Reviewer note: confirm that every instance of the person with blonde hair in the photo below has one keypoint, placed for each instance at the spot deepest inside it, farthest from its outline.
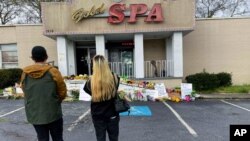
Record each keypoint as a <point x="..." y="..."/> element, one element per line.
<point x="102" y="87"/>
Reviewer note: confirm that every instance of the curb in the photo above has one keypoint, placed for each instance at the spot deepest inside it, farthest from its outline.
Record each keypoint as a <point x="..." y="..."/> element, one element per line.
<point x="3" y="97"/>
<point x="224" y="96"/>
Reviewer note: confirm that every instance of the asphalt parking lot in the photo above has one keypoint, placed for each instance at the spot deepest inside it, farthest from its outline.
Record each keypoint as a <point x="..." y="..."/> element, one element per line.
<point x="201" y="120"/>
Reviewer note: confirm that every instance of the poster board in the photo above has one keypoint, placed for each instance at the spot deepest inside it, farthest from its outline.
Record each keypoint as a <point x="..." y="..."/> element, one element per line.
<point x="128" y="89"/>
<point x="152" y="93"/>
<point x="160" y="87"/>
<point x="186" y="89"/>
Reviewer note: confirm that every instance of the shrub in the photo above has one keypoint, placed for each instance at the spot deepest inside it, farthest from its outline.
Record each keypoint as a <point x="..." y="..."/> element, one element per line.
<point x="9" y="77"/>
<point x="203" y="81"/>
<point x="4" y="77"/>
<point x="225" y="79"/>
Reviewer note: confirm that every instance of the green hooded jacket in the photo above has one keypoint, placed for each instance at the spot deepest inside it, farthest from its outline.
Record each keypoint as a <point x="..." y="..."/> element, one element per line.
<point x="44" y="90"/>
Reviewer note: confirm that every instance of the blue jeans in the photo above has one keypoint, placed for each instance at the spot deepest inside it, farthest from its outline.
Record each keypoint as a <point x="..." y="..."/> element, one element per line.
<point x="55" y="129"/>
<point x="111" y="126"/>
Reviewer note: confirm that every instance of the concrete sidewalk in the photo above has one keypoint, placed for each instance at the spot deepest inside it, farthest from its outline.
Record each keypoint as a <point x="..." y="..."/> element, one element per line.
<point x="224" y="96"/>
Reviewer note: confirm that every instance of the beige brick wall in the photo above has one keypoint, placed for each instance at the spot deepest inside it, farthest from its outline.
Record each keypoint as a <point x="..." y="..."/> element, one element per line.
<point x="219" y="45"/>
<point x="30" y="36"/>
<point x="154" y="49"/>
<point x="7" y="34"/>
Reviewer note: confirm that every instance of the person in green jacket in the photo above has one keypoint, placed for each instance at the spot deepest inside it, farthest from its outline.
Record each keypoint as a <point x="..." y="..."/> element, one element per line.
<point x="44" y="90"/>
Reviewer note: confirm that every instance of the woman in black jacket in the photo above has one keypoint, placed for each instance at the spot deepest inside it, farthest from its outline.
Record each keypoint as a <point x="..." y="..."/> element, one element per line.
<point x="102" y="87"/>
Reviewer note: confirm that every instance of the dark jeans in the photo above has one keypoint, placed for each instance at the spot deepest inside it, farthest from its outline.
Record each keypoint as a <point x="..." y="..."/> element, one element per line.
<point x="55" y="129"/>
<point x="107" y="125"/>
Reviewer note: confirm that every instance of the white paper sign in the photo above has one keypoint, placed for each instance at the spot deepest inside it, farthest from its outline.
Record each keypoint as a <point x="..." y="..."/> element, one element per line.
<point x="152" y="93"/>
<point x="19" y="90"/>
<point x="128" y="89"/>
<point x="83" y="95"/>
<point x="186" y="89"/>
<point x="160" y="87"/>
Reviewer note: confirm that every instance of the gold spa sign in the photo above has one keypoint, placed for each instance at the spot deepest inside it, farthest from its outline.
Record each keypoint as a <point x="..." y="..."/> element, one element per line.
<point x="117" y="13"/>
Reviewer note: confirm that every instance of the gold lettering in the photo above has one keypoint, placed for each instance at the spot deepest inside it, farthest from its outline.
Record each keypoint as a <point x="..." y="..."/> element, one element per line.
<point x="85" y="15"/>
<point x="100" y="10"/>
<point x="92" y="11"/>
<point x="77" y="15"/>
<point x="80" y="14"/>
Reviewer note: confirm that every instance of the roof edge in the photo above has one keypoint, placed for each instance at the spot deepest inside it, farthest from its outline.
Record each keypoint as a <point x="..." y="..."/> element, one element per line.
<point x="14" y="25"/>
<point x="222" y="18"/>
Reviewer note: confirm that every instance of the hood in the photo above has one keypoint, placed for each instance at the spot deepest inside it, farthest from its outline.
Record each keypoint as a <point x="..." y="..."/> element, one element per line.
<point x="37" y="70"/>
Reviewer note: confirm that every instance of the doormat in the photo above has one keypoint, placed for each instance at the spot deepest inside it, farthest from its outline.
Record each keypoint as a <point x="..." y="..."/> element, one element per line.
<point x="138" y="111"/>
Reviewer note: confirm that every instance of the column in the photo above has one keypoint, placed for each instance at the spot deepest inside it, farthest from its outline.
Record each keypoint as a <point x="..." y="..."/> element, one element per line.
<point x="169" y="56"/>
<point x="138" y="56"/>
<point x="100" y="44"/>
<point x="62" y="55"/>
<point x="71" y="57"/>
<point x="177" y="49"/>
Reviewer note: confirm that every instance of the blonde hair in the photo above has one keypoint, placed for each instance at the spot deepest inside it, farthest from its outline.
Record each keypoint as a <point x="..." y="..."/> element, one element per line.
<point x="102" y="81"/>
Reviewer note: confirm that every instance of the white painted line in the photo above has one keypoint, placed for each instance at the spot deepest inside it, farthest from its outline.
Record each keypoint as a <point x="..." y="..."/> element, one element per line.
<point x="189" y="128"/>
<point x="72" y="126"/>
<point x="11" y="112"/>
<point x="235" y="105"/>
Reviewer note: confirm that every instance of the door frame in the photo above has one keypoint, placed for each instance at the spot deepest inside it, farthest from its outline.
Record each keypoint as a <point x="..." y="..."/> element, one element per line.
<point x="88" y="57"/>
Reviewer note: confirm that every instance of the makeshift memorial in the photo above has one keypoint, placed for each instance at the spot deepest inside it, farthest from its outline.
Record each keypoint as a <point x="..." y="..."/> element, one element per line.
<point x="14" y="92"/>
<point x="77" y="77"/>
<point x="135" y="90"/>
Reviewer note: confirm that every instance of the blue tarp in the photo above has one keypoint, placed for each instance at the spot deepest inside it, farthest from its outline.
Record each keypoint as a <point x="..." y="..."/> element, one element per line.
<point x="138" y="111"/>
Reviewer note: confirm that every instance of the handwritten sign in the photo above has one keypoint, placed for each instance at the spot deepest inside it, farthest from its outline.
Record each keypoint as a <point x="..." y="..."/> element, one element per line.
<point x="186" y="89"/>
<point x="126" y="88"/>
<point x="160" y="87"/>
<point x="152" y="93"/>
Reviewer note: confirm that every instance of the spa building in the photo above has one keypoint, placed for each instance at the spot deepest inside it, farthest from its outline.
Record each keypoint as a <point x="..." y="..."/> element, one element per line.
<point x="156" y="40"/>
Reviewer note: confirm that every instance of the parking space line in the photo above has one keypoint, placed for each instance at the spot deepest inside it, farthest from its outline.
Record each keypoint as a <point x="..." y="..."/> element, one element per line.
<point x="72" y="126"/>
<point x="189" y="128"/>
<point x="11" y="112"/>
<point x="235" y="105"/>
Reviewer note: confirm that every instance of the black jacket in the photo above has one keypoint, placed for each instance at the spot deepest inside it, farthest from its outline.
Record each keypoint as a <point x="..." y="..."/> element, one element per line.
<point x="103" y="109"/>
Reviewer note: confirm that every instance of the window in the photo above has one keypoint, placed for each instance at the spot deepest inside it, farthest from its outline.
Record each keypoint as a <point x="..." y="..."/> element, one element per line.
<point x="8" y="56"/>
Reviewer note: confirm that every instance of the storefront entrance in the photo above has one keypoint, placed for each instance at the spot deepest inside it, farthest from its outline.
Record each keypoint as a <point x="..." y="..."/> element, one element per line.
<point x="120" y="57"/>
<point x="83" y="59"/>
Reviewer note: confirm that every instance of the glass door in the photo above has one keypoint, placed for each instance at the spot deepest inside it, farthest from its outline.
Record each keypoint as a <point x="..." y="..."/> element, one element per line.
<point x="83" y="60"/>
<point x="92" y="53"/>
<point x="127" y="61"/>
<point x="121" y="61"/>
